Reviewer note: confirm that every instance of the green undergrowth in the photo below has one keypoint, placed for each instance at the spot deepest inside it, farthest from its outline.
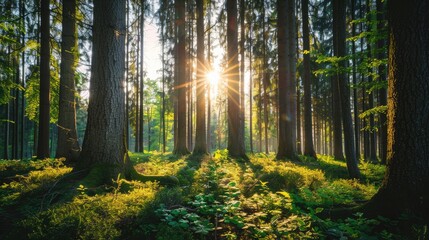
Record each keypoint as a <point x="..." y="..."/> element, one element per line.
<point x="217" y="198"/>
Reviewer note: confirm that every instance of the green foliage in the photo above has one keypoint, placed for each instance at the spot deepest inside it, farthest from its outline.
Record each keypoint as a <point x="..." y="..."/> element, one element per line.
<point x="218" y="197"/>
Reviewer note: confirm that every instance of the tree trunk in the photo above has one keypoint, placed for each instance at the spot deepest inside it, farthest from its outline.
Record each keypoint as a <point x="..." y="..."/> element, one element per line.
<point x="104" y="143"/>
<point x="235" y="141"/>
<point x="286" y="144"/>
<point x="344" y="92"/>
<point x="407" y="176"/>
<point x="242" y="68"/>
<point x="200" y="132"/>
<point x="355" y="92"/>
<point x="250" y="92"/>
<point x="291" y="35"/>
<point x="44" y="104"/>
<point x="382" y="93"/>
<point x="68" y="145"/>
<point x="180" y="88"/>
<point x="265" y="78"/>
<point x="308" y="123"/>
<point x="141" y="87"/>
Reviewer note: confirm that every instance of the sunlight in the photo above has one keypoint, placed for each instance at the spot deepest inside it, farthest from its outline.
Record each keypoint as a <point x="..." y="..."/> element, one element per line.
<point x="213" y="78"/>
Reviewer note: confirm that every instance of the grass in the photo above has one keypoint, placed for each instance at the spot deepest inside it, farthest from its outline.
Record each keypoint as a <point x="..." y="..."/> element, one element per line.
<point x="217" y="198"/>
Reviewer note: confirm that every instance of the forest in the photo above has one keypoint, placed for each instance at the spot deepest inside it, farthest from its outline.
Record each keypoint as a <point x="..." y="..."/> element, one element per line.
<point x="214" y="119"/>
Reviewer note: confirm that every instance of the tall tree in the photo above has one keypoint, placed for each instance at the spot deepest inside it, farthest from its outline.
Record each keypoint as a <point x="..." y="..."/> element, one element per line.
<point x="407" y="176"/>
<point x="308" y="123"/>
<point x="382" y="94"/>
<point x="339" y="30"/>
<point x="44" y="105"/>
<point x="141" y="80"/>
<point x="68" y="145"/>
<point x="180" y="147"/>
<point x="104" y="143"/>
<point x="286" y="145"/>
<point x="235" y="140"/>
<point x="200" y="132"/>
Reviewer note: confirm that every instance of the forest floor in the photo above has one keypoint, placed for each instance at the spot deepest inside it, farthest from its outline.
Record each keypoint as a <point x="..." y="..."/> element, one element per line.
<point x="217" y="198"/>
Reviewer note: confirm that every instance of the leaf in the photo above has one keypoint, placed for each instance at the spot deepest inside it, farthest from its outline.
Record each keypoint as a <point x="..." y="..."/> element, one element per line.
<point x="284" y="194"/>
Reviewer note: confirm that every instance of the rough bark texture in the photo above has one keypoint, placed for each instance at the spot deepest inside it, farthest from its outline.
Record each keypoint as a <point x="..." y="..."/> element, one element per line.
<point x="200" y="132"/>
<point x="235" y="140"/>
<point x="407" y="176"/>
<point x="308" y="123"/>
<point x="68" y="145"/>
<point x="344" y="92"/>
<point x="44" y="104"/>
<point x="104" y="142"/>
<point x="286" y="144"/>
<point x="180" y="88"/>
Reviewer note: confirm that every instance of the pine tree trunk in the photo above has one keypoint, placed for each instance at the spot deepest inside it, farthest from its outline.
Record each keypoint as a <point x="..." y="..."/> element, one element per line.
<point x="407" y="177"/>
<point x="355" y="92"/>
<point x="308" y="123"/>
<point x="68" y="145"/>
<point x="286" y="144"/>
<point x="104" y="147"/>
<point x="382" y="93"/>
<point x="200" y="132"/>
<point x="141" y="87"/>
<point x="44" y="105"/>
<point x="344" y="92"/>
<point x="235" y="141"/>
<point x="180" y="88"/>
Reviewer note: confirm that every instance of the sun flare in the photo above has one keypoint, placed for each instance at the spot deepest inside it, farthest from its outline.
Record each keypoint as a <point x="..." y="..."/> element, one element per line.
<point x="213" y="78"/>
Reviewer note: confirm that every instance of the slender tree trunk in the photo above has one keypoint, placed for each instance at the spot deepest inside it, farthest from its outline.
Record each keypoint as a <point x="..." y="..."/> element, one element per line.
<point x="292" y="66"/>
<point x="180" y="88"/>
<point x="308" y="123"/>
<point x="344" y="92"/>
<point x="209" y="104"/>
<point x="372" y="136"/>
<point x="44" y="105"/>
<point x="242" y="67"/>
<point x="265" y="78"/>
<point x="127" y="74"/>
<point x="235" y="141"/>
<point x="200" y="133"/>
<point x="407" y="176"/>
<point x="137" y="94"/>
<point x="286" y="144"/>
<point x="250" y="91"/>
<point x="382" y="93"/>
<point x="141" y="97"/>
<point x="163" y="89"/>
<point x="68" y="145"/>
<point x="355" y="92"/>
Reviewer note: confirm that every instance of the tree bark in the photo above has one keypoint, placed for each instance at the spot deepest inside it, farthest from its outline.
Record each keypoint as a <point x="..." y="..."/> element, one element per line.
<point x="180" y="88"/>
<point x="407" y="176"/>
<point x="308" y="123"/>
<point x="235" y="141"/>
<point x="286" y="144"/>
<point x="104" y="143"/>
<point x="68" y="145"/>
<point x="200" y="132"/>
<point x="44" y="104"/>
<point x="342" y="82"/>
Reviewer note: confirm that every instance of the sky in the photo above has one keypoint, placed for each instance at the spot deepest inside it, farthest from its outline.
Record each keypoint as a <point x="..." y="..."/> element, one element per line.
<point x="152" y="51"/>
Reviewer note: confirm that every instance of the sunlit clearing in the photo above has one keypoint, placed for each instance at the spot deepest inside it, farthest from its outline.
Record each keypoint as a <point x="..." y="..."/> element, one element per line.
<point x="213" y="78"/>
